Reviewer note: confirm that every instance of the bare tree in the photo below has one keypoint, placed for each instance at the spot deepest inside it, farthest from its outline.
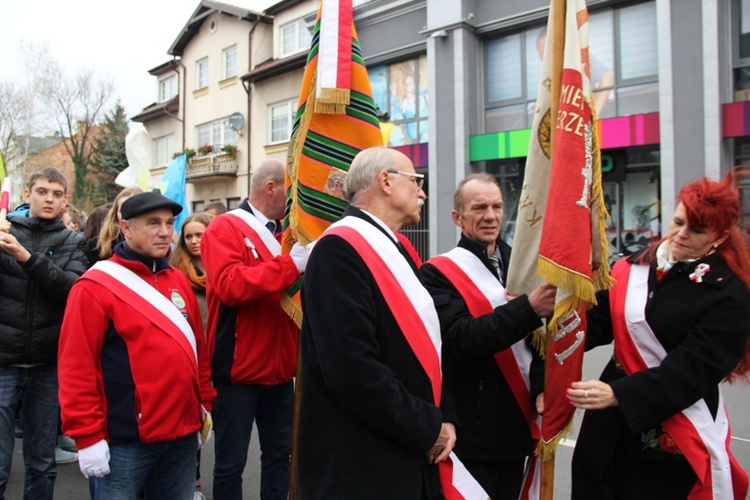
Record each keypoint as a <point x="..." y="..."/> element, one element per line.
<point x="80" y="103"/>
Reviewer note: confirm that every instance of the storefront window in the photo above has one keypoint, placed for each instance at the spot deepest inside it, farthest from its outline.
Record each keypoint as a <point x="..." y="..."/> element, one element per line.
<point x="400" y="92"/>
<point x="741" y="45"/>
<point x="624" y="67"/>
<point x="742" y="158"/>
<point x="632" y="192"/>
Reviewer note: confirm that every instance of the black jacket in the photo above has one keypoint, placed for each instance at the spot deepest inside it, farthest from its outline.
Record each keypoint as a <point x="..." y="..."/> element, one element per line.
<point x="33" y="294"/>
<point x="493" y="428"/>
<point x="367" y="412"/>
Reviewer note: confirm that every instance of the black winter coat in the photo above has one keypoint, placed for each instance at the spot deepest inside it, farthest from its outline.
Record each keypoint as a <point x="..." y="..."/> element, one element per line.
<point x="33" y="294"/>
<point x="493" y="427"/>
<point x="367" y="413"/>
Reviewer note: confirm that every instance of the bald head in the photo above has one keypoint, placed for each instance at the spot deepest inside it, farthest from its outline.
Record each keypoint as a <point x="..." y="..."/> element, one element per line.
<point x="271" y="169"/>
<point x="267" y="188"/>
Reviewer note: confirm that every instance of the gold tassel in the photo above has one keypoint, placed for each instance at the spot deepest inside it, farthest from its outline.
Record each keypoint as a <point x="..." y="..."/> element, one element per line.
<point x="577" y="284"/>
<point x="289" y="307"/>
<point x="332" y="101"/>
<point x="602" y="278"/>
<point x="547" y="448"/>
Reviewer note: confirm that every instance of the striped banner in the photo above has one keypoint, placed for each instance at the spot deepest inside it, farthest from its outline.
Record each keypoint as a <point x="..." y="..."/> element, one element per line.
<point x="326" y="134"/>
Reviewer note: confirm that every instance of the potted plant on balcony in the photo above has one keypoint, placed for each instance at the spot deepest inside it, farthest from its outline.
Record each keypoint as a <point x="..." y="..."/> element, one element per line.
<point x="188" y="152"/>
<point x="206" y="149"/>
<point x="230" y="150"/>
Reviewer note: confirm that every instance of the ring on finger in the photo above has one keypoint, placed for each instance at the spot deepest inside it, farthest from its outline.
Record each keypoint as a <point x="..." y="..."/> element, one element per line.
<point x="585" y="394"/>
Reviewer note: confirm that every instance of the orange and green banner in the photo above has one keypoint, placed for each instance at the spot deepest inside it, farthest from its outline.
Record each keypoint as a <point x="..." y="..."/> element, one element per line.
<point x="331" y="126"/>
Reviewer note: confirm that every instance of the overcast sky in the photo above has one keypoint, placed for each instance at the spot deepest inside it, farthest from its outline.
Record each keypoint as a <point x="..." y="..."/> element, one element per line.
<point x="121" y="40"/>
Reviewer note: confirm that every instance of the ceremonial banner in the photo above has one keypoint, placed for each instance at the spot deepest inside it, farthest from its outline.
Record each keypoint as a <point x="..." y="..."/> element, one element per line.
<point x="563" y="171"/>
<point x="172" y="186"/>
<point x="335" y="119"/>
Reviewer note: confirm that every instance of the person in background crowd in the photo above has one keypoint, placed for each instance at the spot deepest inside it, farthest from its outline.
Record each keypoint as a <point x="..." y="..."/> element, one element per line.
<point x="72" y="217"/>
<point x="187" y="258"/>
<point x="134" y="375"/>
<point x="110" y="234"/>
<point x="215" y="208"/>
<point x="92" y="228"/>
<point x="40" y="259"/>
<point x="372" y="424"/>
<point x="254" y="342"/>
<point x="655" y="425"/>
<point x="493" y="373"/>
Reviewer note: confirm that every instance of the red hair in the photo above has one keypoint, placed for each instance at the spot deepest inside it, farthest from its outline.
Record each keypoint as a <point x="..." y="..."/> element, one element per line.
<point x="715" y="206"/>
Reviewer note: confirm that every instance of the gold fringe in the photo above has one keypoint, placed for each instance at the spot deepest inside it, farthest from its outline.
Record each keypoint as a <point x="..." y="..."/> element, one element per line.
<point x="602" y="278"/>
<point x="575" y="283"/>
<point x="539" y="341"/>
<point x="547" y="448"/>
<point x="289" y="307"/>
<point x="332" y="101"/>
<point x="294" y="153"/>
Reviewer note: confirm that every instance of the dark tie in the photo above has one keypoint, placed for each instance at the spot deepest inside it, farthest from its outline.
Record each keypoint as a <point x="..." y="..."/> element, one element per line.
<point x="271" y="225"/>
<point x="496" y="265"/>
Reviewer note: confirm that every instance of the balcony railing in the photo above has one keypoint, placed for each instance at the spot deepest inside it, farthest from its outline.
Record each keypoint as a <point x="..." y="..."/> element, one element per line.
<point x="213" y="164"/>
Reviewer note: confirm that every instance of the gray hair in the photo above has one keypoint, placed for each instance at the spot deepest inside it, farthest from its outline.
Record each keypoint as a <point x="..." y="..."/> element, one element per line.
<point x="365" y="169"/>
<point x="271" y="169"/>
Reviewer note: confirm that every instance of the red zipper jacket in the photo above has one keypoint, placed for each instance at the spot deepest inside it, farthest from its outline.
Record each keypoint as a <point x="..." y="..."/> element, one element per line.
<point x="122" y="378"/>
<point x="251" y="339"/>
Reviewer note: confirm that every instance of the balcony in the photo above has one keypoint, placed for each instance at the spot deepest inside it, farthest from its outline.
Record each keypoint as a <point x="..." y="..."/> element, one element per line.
<point x="211" y="165"/>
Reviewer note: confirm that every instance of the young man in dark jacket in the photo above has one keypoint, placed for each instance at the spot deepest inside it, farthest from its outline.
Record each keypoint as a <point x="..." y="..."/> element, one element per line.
<point x="40" y="259"/>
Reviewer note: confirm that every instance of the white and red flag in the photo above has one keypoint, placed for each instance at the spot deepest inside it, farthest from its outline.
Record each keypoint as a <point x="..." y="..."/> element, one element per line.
<point x="562" y="245"/>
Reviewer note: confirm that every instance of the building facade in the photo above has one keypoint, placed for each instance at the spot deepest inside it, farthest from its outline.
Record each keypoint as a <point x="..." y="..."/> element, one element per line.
<point x="455" y="82"/>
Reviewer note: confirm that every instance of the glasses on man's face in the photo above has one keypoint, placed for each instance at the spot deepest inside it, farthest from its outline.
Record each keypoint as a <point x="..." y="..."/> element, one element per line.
<point x="418" y="178"/>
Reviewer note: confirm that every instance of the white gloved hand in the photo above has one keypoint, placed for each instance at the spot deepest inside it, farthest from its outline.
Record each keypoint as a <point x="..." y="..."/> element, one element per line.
<point x="299" y="254"/>
<point x="94" y="460"/>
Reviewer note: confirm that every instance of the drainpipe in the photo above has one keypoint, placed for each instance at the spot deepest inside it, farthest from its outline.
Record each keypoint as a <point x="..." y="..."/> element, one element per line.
<point x="249" y="91"/>
<point x="184" y="97"/>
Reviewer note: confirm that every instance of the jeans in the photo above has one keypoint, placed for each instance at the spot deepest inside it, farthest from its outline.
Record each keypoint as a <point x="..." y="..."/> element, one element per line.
<point x="235" y="409"/>
<point x="37" y="388"/>
<point x="163" y="470"/>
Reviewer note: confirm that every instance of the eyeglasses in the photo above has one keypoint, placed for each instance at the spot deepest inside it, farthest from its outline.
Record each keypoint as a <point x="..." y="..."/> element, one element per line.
<point x="418" y="178"/>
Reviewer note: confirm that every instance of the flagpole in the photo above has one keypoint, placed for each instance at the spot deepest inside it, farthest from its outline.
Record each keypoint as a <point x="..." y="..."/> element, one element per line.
<point x="556" y="46"/>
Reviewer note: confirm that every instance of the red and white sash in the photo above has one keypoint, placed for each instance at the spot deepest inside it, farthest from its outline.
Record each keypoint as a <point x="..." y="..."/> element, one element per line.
<point x="260" y="240"/>
<point x="703" y="441"/>
<point x="147" y="300"/>
<point x="414" y="311"/>
<point x="483" y="293"/>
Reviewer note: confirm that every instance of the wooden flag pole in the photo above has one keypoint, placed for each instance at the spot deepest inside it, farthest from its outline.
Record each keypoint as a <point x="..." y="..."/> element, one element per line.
<point x="556" y="45"/>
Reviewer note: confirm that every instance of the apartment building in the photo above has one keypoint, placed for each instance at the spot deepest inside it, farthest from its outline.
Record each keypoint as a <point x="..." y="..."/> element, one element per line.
<point x="455" y="82"/>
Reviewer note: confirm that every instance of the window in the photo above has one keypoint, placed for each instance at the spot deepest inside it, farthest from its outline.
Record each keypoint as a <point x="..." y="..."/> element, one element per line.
<point x="741" y="45"/>
<point x="198" y="206"/>
<point x="229" y="62"/>
<point x="233" y="203"/>
<point x="281" y="119"/>
<point x="295" y="37"/>
<point x="624" y="67"/>
<point x="163" y="150"/>
<point x="167" y="88"/>
<point x="216" y="134"/>
<point x="400" y="94"/>
<point x="201" y="74"/>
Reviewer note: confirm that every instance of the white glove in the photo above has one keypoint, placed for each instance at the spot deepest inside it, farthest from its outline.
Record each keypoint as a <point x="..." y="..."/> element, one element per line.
<point x="299" y="254"/>
<point x="94" y="460"/>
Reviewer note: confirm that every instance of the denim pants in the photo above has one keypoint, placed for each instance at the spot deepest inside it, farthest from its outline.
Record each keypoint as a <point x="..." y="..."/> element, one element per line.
<point x="235" y="409"/>
<point x="164" y="470"/>
<point x="37" y="388"/>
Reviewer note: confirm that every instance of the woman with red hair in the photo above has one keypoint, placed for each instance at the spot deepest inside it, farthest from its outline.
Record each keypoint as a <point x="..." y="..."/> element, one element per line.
<point x="679" y="317"/>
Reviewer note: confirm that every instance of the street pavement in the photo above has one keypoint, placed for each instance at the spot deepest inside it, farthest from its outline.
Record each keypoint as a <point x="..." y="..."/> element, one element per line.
<point x="72" y="486"/>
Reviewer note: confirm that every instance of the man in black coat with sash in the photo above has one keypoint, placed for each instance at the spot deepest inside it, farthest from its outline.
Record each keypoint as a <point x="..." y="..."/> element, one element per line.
<point x="370" y="427"/>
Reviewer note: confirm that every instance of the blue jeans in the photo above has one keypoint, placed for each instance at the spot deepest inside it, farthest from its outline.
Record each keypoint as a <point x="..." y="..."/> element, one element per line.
<point x="164" y="470"/>
<point x="235" y="409"/>
<point x="37" y="388"/>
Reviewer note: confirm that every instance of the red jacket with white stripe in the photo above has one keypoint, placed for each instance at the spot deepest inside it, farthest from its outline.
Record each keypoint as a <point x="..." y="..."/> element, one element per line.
<point x="251" y="339"/>
<point x="122" y="378"/>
